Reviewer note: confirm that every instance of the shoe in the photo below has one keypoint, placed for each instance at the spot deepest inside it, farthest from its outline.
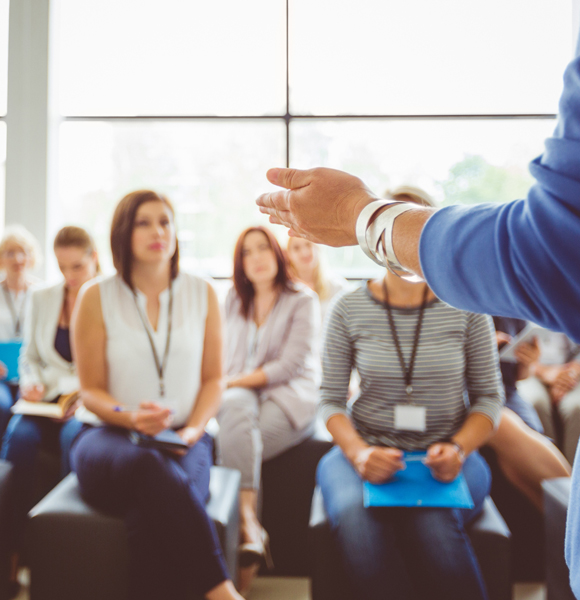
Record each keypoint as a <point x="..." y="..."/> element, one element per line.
<point x="251" y="553"/>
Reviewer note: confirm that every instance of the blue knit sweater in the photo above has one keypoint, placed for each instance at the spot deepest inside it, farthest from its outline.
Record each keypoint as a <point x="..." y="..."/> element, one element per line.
<point x="520" y="259"/>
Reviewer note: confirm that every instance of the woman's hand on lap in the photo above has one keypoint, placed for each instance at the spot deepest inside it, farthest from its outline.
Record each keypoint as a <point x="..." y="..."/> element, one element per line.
<point x="376" y="464"/>
<point x="445" y="461"/>
<point x="33" y="393"/>
<point x="152" y="418"/>
<point x="190" y="435"/>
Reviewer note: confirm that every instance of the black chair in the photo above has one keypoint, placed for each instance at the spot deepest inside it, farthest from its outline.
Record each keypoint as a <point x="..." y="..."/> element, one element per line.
<point x="6" y="499"/>
<point x="288" y="483"/>
<point x="556" y="497"/>
<point x="488" y="533"/>
<point x="76" y="552"/>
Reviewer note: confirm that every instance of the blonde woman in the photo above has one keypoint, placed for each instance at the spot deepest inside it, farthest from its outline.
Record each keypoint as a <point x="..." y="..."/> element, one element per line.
<point x="46" y="371"/>
<point x="306" y="264"/>
<point x="19" y="254"/>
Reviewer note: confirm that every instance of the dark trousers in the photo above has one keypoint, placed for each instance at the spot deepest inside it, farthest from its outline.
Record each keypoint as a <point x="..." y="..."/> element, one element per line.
<point x="24" y="437"/>
<point x="174" y="549"/>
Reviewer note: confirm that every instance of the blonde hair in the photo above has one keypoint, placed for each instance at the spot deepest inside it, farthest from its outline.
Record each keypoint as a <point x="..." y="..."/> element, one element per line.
<point x="75" y="237"/>
<point x="414" y="193"/>
<point x="321" y="281"/>
<point x="18" y="234"/>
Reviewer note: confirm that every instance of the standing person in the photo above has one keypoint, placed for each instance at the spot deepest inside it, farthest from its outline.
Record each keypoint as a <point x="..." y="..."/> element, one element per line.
<point x="518" y="259"/>
<point x="148" y="346"/>
<point x="305" y="263"/>
<point x="47" y="370"/>
<point x="19" y="254"/>
<point x="272" y="373"/>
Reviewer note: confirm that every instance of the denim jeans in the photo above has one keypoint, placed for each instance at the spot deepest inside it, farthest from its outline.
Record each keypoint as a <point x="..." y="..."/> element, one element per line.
<point x="403" y="553"/>
<point x="23" y="439"/>
<point x="6" y="403"/>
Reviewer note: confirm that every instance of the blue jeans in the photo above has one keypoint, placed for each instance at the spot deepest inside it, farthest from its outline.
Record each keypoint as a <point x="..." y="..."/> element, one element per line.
<point x="403" y="553"/>
<point x="174" y="551"/>
<point x="24" y="437"/>
<point x="6" y="403"/>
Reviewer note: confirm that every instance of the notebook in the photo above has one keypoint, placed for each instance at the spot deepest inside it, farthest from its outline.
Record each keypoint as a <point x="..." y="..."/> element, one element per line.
<point x="415" y="486"/>
<point x="9" y="353"/>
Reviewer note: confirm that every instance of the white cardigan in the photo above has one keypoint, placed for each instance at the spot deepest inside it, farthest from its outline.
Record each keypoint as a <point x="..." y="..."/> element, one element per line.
<point x="39" y="361"/>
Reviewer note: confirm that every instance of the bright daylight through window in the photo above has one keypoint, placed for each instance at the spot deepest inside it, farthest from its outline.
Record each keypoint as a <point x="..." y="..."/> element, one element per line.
<point x="199" y="99"/>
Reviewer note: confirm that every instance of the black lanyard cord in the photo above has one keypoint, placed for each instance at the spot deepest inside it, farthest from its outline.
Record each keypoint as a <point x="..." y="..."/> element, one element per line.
<point x="16" y="317"/>
<point x="160" y="365"/>
<point x="407" y="372"/>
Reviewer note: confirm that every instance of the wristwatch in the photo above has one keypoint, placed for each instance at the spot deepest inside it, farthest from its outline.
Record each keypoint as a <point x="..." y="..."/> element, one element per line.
<point x="459" y="448"/>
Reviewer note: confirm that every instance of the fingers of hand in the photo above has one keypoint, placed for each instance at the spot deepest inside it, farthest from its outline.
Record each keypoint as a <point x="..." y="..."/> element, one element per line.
<point x="288" y="178"/>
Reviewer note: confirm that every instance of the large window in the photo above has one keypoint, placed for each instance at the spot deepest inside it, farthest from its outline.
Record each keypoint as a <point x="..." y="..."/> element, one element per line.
<point x="3" y="100"/>
<point x="198" y="99"/>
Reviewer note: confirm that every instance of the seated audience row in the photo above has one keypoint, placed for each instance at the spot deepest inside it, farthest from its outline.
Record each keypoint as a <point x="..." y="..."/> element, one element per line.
<point x="147" y="343"/>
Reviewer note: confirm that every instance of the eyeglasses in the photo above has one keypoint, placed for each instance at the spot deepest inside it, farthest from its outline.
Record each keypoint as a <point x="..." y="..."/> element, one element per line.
<point x="16" y="254"/>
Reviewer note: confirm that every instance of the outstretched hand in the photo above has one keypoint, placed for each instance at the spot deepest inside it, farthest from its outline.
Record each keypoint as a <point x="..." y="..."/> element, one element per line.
<point x="321" y="205"/>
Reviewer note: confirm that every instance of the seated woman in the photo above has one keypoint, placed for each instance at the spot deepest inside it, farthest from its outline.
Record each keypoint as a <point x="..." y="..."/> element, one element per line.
<point x="526" y="354"/>
<point x="148" y="348"/>
<point x="411" y="351"/>
<point x="306" y="265"/>
<point x="19" y="254"/>
<point x="407" y="345"/>
<point x="553" y="389"/>
<point x="272" y="375"/>
<point x="47" y="370"/>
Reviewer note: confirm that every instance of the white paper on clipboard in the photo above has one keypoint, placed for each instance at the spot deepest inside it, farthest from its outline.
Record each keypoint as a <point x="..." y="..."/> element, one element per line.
<point x="527" y="334"/>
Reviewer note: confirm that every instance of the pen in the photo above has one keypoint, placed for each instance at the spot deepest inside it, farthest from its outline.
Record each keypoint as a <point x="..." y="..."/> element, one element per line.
<point x="120" y="409"/>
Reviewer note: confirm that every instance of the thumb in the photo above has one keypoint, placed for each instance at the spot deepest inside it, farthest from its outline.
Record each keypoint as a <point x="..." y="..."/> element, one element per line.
<point x="434" y="451"/>
<point x="290" y="179"/>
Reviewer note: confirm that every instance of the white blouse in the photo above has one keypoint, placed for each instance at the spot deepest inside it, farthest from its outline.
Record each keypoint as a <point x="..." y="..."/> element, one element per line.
<point x="132" y="374"/>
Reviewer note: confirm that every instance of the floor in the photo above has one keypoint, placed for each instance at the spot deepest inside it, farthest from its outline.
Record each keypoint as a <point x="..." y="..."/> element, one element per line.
<point x="297" y="588"/>
<point x="282" y="588"/>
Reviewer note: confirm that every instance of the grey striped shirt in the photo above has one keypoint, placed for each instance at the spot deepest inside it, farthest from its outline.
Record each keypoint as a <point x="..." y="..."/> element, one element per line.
<point x="456" y="368"/>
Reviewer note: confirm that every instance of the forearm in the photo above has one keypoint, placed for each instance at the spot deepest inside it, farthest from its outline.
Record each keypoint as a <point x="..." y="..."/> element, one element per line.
<point x="406" y="236"/>
<point x="255" y="379"/>
<point x="102" y="404"/>
<point x="345" y="435"/>
<point x="475" y="432"/>
<point x="207" y="404"/>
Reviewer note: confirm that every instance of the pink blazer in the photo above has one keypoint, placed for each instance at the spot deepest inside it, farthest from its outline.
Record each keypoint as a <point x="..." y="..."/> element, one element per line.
<point x="287" y="351"/>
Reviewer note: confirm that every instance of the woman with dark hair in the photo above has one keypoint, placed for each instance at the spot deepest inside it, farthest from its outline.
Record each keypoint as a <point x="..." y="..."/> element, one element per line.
<point x="47" y="370"/>
<point x="148" y="347"/>
<point x="272" y="375"/>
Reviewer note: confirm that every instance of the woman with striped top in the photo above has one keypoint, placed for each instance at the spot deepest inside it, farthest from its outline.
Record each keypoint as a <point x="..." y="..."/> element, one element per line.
<point x="411" y="349"/>
<point x="412" y="352"/>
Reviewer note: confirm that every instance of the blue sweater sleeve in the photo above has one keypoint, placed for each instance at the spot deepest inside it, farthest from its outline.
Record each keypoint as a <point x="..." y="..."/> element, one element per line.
<point x="520" y="259"/>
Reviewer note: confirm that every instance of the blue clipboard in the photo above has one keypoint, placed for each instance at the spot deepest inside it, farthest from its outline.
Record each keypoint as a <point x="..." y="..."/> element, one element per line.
<point x="415" y="486"/>
<point x="9" y="354"/>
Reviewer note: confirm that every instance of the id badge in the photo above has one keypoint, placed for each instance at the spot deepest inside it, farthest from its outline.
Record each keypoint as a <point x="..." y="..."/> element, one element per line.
<point x="410" y="418"/>
<point x="68" y="385"/>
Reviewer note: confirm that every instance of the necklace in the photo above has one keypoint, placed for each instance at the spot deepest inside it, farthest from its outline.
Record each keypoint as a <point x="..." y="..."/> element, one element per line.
<point x="407" y="370"/>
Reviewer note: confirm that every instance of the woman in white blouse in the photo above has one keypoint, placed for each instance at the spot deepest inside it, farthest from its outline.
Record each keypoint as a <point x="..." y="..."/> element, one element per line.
<point x="19" y="254"/>
<point x="148" y="347"/>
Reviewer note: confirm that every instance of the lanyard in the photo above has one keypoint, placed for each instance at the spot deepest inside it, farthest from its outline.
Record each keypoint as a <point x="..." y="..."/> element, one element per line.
<point x="160" y="365"/>
<point x="16" y="317"/>
<point x="407" y="371"/>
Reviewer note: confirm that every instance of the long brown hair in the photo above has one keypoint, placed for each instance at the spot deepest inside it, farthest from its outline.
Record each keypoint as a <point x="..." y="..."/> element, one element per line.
<point x="122" y="232"/>
<point x="242" y="285"/>
<point x="76" y="237"/>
